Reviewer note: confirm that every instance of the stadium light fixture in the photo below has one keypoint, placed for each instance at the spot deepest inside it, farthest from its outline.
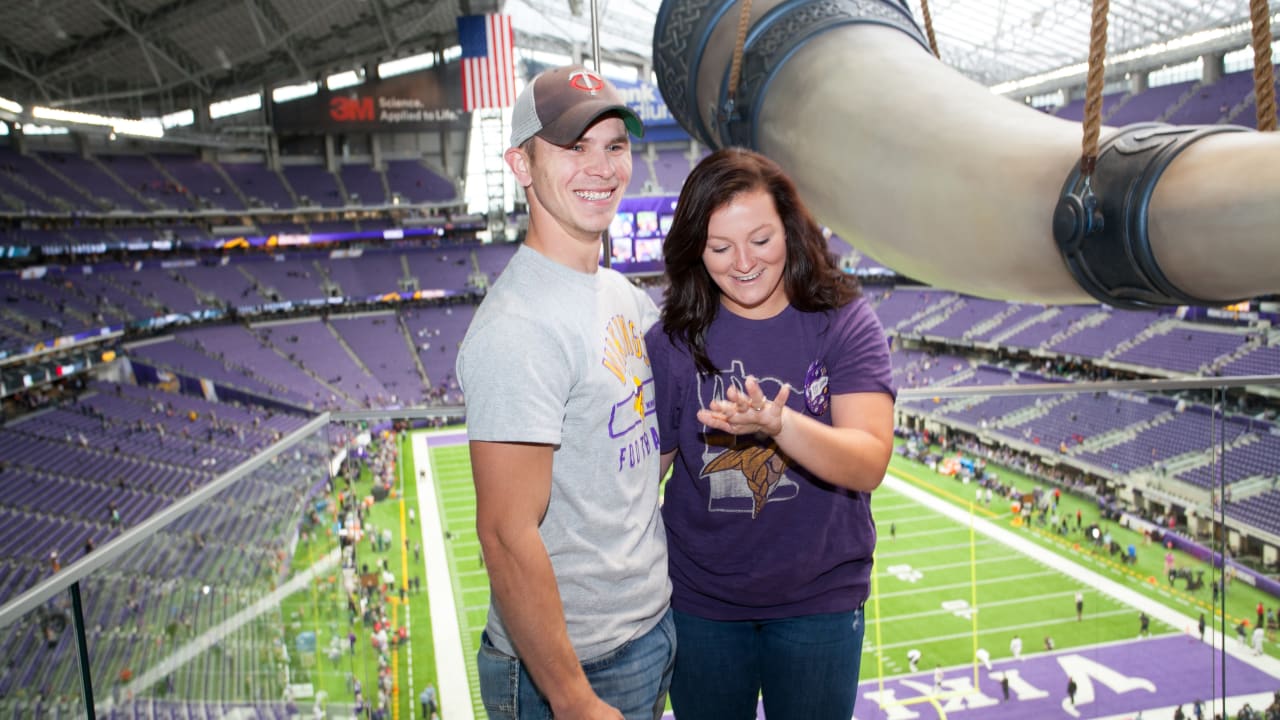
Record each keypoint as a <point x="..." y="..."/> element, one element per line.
<point x="285" y="93"/>
<point x="148" y="127"/>
<point x="33" y="129"/>
<point x="400" y="66"/>
<point x="181" y="118"/>
<point x="235" y="106"/>
<point x="10" y="106"/>
<point x="347" y="78"/>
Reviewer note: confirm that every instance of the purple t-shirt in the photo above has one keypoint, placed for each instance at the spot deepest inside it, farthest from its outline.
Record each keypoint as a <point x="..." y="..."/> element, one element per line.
<point x="750" y="537"/>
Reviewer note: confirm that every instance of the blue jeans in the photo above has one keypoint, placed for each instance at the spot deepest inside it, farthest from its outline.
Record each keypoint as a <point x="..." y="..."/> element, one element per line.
<point x="807" y="667"/>
<point x="633" y="678"/>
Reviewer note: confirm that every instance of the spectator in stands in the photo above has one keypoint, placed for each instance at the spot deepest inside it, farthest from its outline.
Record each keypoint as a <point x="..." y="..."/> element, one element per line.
<point x="757" y="306"/>
<point x="556" y="379"/>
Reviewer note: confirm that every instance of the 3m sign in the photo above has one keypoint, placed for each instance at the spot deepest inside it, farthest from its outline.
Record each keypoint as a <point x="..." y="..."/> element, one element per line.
<point x="348" y="109"/>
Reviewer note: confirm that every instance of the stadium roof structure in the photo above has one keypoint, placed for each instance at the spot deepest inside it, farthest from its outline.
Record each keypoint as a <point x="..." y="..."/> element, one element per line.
<point x="136" y="57"/>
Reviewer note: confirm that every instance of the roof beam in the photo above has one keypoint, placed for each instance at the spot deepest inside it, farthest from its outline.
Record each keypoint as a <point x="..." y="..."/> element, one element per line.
<point x="276" y="24"/>
<point x="388" y="34"/>
<point x="257" y="26"/>
<point x="86" y="54"/>
<point x="18" y="62"/>
<point x="409" y="28"/>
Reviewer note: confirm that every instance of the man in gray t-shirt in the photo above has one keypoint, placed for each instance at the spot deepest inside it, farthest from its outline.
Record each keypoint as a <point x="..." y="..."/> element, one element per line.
<point x="563" y="436"/>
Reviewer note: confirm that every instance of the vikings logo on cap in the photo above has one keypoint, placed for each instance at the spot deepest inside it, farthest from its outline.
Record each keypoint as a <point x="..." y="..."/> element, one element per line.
<point x="586" y="81"/>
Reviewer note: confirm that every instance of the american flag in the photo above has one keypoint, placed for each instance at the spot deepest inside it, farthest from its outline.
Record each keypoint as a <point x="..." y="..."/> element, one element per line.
<point x="488" y="61"/>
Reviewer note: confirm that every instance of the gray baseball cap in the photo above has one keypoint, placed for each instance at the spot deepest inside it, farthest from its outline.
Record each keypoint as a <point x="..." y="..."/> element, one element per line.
<point x="560" y="104"/>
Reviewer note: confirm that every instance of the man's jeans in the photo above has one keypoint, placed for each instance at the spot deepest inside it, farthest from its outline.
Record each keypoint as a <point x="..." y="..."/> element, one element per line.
<point x="807" y="667"/>
<point x="633" y="678"/>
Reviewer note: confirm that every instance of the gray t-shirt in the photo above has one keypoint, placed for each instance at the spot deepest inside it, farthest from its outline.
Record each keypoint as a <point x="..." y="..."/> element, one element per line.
<point x="558" y="357"/>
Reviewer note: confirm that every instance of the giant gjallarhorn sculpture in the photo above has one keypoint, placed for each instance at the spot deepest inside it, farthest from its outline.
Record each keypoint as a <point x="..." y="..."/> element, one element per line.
<point x="936" y="177"/>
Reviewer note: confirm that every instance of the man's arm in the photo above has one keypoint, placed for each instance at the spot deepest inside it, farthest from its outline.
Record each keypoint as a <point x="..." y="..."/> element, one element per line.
<point x="513" y="487"/>
<point x="667" y="459"/>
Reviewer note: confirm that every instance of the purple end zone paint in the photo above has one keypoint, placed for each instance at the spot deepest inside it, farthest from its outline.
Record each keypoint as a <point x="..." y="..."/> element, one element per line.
<point x="1111" y="680"/>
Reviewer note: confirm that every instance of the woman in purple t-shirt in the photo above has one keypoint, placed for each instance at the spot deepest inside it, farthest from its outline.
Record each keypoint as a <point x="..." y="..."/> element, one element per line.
<point x="775" y="407"/>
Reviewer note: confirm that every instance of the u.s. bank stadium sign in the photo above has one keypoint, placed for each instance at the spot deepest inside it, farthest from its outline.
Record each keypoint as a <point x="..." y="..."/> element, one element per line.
<point x="646" y="101"/>
<point x="421" y="101"/>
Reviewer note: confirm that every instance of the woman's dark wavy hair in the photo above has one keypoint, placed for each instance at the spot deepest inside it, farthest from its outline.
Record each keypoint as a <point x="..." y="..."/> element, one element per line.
<point x="812" y="277"/>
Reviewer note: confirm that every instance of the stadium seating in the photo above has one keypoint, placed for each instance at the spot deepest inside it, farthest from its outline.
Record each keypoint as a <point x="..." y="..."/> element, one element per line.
<point x="364" y="184"/>
<point x="1148" y="105"/>
<point x="417" y="183"/>
<point x="670" y="168"/>
<point x="1183" y="349"/>
<point x="262" y="186"/>
<point x="384" y="347"/>
<point x="314" y="186"/>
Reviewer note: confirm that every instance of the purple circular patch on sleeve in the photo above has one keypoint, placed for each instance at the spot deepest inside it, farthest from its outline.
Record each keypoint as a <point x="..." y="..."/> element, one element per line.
<point x="817" y="397"/>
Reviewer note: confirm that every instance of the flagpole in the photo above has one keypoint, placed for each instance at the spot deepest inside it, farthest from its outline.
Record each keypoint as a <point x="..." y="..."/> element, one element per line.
<point x="595" y="38"/>
<point x="606" y="241"/>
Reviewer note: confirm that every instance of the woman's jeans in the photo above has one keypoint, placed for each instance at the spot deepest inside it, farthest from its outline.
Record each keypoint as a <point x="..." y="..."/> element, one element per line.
<point x="807" y="667"/>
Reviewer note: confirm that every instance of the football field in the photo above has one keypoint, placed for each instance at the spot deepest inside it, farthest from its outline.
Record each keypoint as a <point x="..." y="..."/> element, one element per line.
<point x="952" y="578"/>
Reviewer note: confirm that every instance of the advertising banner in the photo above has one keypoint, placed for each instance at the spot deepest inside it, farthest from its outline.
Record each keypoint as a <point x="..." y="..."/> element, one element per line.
<point x="425" y="100"/>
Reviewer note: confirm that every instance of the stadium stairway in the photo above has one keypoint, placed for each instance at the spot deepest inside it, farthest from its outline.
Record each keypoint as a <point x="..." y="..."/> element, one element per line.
<point x="1159" y="327"/>
<point x="333" y="389"/>
<point x="110" y="173"/>
<point x="235" y="187"/>
<point x="1118" y="100"/>
<point x="92" y="201"/>
<point x="1041" y="317"/>
<point x="413" y="350"/>
<point x="1186" y="97"/>
<point x="355" y="357"/>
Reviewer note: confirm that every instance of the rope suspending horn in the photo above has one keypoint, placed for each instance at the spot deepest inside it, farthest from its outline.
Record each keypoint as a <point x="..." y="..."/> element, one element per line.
<point x="1264" y="87"/>
<point x="1093" y="112"/>
<point x="727" y="112"/>
<point x="928" y="28"/>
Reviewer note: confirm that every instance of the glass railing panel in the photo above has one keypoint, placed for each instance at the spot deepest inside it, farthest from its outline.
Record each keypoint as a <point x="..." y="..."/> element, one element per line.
<point x="188" y="620"/>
